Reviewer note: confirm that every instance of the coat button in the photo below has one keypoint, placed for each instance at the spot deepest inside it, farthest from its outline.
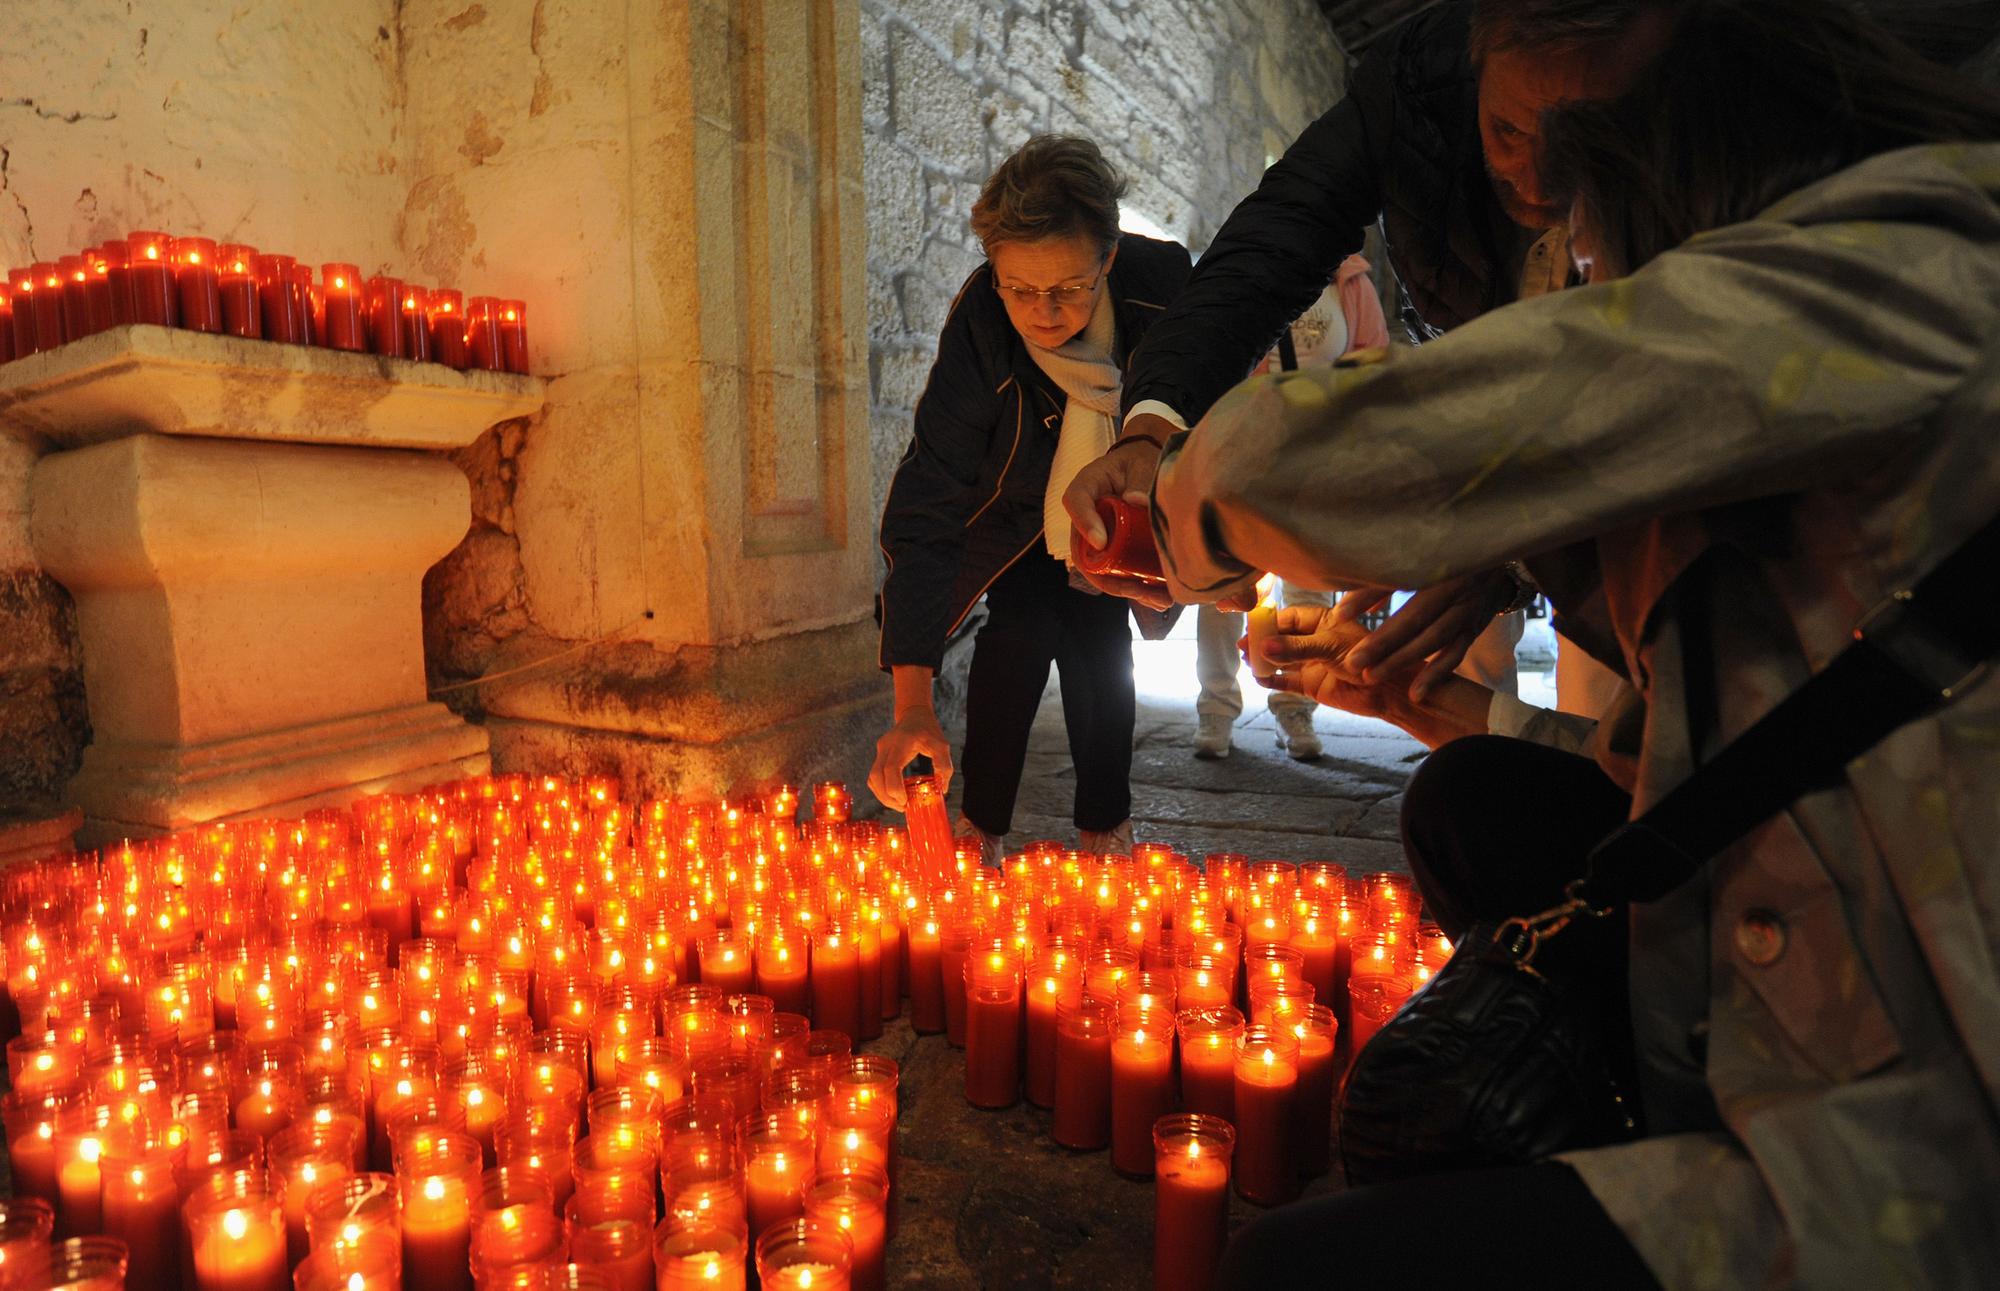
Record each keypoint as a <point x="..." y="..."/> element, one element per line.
<point x="1760" y="937"/>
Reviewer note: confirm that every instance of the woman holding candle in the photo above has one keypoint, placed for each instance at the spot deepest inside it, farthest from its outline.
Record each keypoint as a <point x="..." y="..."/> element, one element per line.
<point x="1717" y="497"/>
<point x="1023" y="392"/>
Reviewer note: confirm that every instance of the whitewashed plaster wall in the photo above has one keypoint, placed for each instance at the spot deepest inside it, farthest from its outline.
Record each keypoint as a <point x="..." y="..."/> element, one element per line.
<point x="265" y="121"/>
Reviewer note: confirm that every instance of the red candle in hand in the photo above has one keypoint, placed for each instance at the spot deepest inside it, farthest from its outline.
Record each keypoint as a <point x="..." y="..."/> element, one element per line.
<point x="340" y="305"/>
<point x="236" y="271"/>
<point x="511" y="318"/>
<point x="1190" y="1201"/>
<point x="992" y="1029"/>
<point x="151" y="276"/>
<point x="1267" y="1083"/>
<point x="1128" y="552"/>
<point x="75" y="297"/>
<point x="198" y="285"/>
<point x="415" y="314"/>
<point x="277" y="312"/>
<point x="929" y="829"/>
<point x="447" y="319"/>
<point x="48" y="307"/>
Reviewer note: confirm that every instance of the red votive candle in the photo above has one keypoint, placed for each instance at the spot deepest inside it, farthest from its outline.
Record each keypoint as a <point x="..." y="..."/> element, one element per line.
<point x="856" y="1201"/>
<point x="1190" y="1200"/>
<point x="116" y="257"/>
<point x="1083" y="1074"/>
<point x="992" y="1028"/>
<point x="97" y="288"/>
<point x="1055" y="980"/>
<point x="415" y="316"/>
<point x="1129" y="551"/>
<point x="868" y="945"/>
<point x="21" y="324"/>
<point x="277" y="310"/>
<point x="482" y="334"/>
<point x="725" y="962"/>
<point x="447" y="322"/>
<point x="150" y="273"/>
<point x="836" y="981"/>
<point x="699" y="1256"/>
<point x="198" y="284"/>
<point x="926" y="976"/>
<point x="954" y="947"/>
<point x="777" y="1155"/>
<point x="1267" y="1085"/>
<point x="236" y="283"/>
<point x="48" y="306"/>
<point x="340" y="303"/>
<point x="384" y="306"/>
<point x="1315" y="1028"/>
<point x="510" y="318"/>
<point x="781" y="972"/>
<point x="6" y="325"/>
<point x="1208" y="1060"/>
<point x="1142" y="1085"/>
<point x="306" y="299"/>
<point x="142" y="1203"/>
<point x="75" y="297"/>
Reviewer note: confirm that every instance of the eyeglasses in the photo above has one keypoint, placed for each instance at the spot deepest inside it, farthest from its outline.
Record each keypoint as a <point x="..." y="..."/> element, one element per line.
<point x="1026" y="296"/>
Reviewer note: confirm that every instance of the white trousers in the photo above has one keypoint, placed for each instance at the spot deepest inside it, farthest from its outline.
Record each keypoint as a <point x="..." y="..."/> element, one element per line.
<point x="1217" y="660"/>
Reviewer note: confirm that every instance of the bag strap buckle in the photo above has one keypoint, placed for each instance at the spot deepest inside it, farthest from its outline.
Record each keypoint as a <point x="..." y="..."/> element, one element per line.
<point x="1921" y="648"/>
<point x="1523" y="936"/>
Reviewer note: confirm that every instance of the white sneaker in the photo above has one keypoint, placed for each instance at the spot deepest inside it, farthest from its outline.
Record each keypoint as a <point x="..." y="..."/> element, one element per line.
<point x="1297" y="735"/>
<point x="1211" y="735"/>
<point x="1106" y="842"/>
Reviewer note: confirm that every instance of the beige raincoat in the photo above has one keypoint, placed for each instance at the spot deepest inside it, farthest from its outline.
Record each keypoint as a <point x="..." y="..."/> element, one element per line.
<point x="1731" y="455"/>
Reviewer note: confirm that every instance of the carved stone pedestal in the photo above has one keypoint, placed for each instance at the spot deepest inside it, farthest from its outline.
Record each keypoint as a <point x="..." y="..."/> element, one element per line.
<point x="245" y="529"/>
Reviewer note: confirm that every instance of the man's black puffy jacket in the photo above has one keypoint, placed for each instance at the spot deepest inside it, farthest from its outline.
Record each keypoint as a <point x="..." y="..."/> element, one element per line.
<point x="1402" y="146"/>
<point x="966" y="501"/>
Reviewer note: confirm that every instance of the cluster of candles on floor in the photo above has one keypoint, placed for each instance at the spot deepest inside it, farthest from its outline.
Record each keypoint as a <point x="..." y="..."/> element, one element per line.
<point x="517" y="1032"/>
<point x="230" y="288"/>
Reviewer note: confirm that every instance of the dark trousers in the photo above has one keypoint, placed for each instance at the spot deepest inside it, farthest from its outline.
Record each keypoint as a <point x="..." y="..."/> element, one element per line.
<point x="1036" y="618"/>
<point x="1523" y="1226"/>
<point x="1493" y="828"/>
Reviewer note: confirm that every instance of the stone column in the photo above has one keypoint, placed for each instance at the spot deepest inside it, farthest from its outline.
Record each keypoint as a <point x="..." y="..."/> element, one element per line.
<point x="690" y="519"/>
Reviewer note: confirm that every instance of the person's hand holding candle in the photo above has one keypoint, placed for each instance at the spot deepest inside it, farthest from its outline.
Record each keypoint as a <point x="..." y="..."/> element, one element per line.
<point x="1314" y="649"/>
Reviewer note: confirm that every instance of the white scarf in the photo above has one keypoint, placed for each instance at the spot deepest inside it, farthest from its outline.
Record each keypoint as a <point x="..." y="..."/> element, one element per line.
<point x="1083" y="368"/>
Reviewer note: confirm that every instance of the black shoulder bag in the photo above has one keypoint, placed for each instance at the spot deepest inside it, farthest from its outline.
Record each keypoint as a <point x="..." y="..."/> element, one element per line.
<point x="1496" y="1063"/>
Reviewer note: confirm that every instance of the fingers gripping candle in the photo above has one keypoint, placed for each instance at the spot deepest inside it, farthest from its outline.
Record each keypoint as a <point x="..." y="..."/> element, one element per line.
<point x="1263" y="626"/>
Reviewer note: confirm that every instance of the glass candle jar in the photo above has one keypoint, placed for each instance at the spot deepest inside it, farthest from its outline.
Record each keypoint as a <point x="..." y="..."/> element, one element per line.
<point x="27" y="1225"/>
<point x="855" y="1200"/>
<point x="1191" y="1158"/>
<point x="1083" y="1074"/>
<point x="804" y="1253"/>
<point x="87" y="1264"/>
<point x="236" y="1235"/>
<point x="372" y="1262"/>
<point x="1267" y="1080"/>
<point x="437" y="1181"/>
<point x="343" y="1212"/>
<point x="699" y="1256"/>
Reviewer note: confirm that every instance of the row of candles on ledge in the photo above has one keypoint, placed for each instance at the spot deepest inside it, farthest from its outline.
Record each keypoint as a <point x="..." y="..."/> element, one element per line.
<point x="232" y="289"/>
<point x="526" y="1031"/>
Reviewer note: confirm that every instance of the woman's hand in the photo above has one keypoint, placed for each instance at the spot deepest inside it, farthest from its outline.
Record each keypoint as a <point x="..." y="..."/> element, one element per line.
<point x="1438" y="624"/>
<point x="1314" y="651"/>
<point x="1311" y="652"/>
<point x="915" y="733"/>
<point x="1125" y="471"/>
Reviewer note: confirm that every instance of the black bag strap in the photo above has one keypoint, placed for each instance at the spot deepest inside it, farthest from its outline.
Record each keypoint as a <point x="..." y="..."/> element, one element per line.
<point x="1911" y="655"/>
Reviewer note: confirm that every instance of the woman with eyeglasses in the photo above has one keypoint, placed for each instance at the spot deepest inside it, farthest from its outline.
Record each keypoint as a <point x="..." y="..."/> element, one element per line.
<point x="1023" y="392"/>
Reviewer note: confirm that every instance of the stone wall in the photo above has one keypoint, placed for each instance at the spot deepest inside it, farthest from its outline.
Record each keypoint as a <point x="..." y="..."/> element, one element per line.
<point x="262" y="121"/>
